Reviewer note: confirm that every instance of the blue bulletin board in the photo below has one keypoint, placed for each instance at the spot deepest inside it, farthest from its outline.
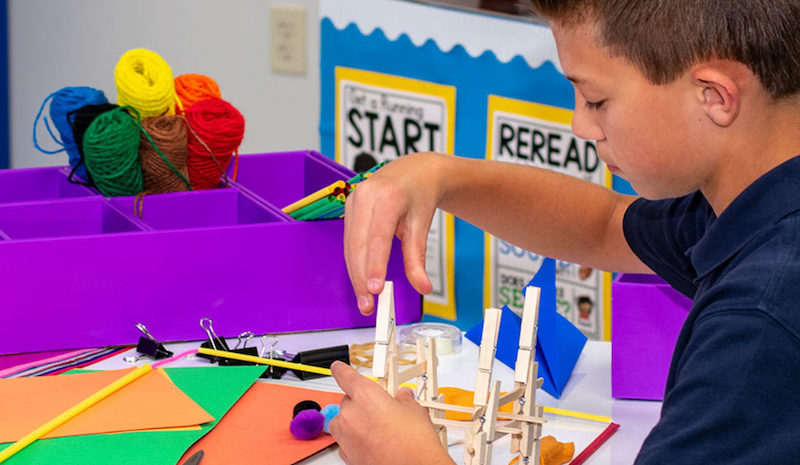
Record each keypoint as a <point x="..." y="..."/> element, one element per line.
<point x="476" y="80"/>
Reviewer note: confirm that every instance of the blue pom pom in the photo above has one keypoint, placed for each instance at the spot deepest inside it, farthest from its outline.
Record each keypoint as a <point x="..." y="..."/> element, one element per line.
<point x="329" y="412"/>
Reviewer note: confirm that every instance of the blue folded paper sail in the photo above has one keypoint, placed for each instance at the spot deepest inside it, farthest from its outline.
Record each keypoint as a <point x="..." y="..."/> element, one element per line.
<point x="558" y="343"/>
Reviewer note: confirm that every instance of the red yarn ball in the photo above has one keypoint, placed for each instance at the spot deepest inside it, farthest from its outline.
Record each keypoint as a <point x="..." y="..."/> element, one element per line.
<point x="216" y="130"/>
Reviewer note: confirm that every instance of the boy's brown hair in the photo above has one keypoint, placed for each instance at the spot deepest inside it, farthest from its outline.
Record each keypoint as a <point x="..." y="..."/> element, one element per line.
<point x="663" y="38"/>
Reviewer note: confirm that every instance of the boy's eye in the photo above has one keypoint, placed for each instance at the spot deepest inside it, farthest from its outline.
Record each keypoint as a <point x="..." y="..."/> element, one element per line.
<point x="595" y="105"/>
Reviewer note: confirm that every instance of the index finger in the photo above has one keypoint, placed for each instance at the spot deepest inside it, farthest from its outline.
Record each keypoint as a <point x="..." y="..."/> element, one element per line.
<point x="371" y="220"/>
<point x="348" y="379"/>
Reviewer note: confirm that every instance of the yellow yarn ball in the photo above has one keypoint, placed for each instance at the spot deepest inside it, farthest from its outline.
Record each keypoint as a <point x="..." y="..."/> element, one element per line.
<point x="144" y="81"/>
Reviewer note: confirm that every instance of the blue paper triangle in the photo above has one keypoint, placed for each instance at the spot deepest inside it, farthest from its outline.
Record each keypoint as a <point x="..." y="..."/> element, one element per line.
<point x="558" y="343"/>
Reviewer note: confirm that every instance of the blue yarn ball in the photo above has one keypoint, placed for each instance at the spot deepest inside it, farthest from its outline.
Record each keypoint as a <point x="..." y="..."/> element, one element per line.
<point x="329" y="412"/>
<point x="307" y="424"/>
<point x="65" y="101"/>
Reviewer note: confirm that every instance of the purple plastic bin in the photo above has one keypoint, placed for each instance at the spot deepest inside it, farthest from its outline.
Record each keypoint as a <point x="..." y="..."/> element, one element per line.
<point x="226" y="254"/>
<point x="267" y="175"/>
<point x="38" y="184"/>
<point x="62" y="218"/>
<point x="647" y="315"/>
<point x="198" y="209"/>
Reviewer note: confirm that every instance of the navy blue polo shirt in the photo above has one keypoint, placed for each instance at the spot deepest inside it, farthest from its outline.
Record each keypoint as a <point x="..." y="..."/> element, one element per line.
<point x="733" y="391"/>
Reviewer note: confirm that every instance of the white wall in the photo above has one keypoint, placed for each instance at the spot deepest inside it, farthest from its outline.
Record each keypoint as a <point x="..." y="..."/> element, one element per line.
<point x="55" y="43"/>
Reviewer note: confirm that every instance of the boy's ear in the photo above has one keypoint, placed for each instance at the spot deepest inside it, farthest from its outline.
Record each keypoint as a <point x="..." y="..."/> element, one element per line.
<point x="718" y="93"/>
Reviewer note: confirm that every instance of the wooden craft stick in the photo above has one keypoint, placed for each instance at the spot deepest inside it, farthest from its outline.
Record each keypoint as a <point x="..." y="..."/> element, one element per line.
<point x="74" y="411"/>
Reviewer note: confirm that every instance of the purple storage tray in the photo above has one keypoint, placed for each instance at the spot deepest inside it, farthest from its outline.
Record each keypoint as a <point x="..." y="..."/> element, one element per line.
<point x="227" y="254"/>
<point x="38" y="184"/>
<point x="63" y="218"/>
<point x="199" y="209"/>
<point x="647" y="315"/>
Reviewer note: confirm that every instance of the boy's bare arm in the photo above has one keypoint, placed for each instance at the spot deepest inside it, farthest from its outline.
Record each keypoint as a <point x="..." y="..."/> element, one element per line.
<point x="543" y="211"/>
<point x="540" y="210"/>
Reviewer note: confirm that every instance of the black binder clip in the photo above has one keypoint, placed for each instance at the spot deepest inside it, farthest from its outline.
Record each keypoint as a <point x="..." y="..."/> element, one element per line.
<point x="214" y="342"/>
<point x="148" y="345"/>
<point x="272" y="371"/>
<point x="244" y="350"/>
<point x="322" y="358"/>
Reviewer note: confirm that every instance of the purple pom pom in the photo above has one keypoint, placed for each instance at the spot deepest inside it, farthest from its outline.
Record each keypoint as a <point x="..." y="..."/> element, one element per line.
<point x="307" y="424"/>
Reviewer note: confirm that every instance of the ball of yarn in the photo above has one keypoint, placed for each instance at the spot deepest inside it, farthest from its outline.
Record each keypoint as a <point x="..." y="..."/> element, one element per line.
<point x="165" y="171"/>
<point x="307" y="424"/>
<point x="144" y="81"/>
<point x="63" y="102"/>
<point x="329" y="412"/>
<point x="111" y="153"/>
<point x="192" y="88"/>
<point x="80" y="120"/>
<point x="216" y="130"/>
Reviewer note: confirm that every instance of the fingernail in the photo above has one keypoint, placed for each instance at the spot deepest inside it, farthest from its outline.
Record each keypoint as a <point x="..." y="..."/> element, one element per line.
<point x="363" y="303"/>
<point x="374" y="285"/>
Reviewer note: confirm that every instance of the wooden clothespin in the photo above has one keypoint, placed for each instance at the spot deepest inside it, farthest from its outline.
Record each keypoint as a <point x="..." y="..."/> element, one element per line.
<point x="385" y="366"/>
<point x="525" y="423"/>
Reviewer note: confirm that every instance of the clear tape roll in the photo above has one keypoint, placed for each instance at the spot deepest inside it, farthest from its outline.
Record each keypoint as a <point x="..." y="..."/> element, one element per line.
<point x="447" y="337"/>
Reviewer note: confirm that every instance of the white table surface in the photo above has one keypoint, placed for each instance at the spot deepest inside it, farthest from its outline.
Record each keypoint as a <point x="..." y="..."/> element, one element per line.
<point x="588" y="390"/>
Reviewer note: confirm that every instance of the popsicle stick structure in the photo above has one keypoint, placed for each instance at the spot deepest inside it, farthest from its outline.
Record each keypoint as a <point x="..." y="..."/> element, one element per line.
<point x="524" y="424"/>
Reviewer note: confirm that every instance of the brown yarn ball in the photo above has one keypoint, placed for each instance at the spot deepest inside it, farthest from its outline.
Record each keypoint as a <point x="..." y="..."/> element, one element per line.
<point x="170" y="136"/>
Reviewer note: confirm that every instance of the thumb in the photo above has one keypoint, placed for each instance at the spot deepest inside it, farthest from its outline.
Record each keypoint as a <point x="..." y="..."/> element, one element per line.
<point x="405" y="395"/>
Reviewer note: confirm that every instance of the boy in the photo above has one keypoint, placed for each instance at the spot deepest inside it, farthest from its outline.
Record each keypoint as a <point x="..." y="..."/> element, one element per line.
<point x="697" y="104"/>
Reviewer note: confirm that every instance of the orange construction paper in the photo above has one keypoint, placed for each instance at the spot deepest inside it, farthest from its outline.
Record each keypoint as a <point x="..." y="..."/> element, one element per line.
<point x="150" y="402"/>
<point x="256" y="429"/>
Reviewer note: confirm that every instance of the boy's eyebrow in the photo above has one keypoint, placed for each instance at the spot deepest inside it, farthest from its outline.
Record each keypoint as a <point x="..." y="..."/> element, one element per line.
<point x="575" y="79"/>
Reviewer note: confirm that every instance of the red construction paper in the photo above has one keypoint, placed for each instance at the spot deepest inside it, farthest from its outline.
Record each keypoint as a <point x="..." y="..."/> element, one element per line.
<point x="256" y="429"/>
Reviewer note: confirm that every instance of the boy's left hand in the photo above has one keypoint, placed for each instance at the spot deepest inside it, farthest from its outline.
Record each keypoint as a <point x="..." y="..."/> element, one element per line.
<point x="374" y="428"/>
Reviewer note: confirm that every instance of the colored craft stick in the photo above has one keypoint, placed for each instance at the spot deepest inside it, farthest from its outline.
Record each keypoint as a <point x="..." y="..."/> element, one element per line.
<point x="265" y="361"/>
<point x="313" y="209"/>
<point x="594" y="445"/>
<point x="323" y="206"/>
<point x="323" y="209"/>
<point x="322" y="193"/>
<point x="574" y="414"/>
<point x="338" y="213"/>
<point x="313" y="206"/>
<point x="365" y="174"/>
<point x="5" y="454"/>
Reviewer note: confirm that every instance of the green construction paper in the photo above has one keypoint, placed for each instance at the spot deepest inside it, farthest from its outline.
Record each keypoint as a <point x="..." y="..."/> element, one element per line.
<point x="214" y="388"/>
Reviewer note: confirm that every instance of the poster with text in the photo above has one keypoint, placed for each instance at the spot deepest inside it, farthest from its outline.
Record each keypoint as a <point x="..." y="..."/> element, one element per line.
<point x="540" y="135"/>
<point x="380" y="117"/>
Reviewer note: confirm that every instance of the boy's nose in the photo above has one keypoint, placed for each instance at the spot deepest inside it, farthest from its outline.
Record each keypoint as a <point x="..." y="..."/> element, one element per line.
<point x="583" y="124"/>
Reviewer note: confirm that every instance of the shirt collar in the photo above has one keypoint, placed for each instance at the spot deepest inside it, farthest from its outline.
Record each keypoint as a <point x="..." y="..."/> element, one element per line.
<point x="762" y="204"/>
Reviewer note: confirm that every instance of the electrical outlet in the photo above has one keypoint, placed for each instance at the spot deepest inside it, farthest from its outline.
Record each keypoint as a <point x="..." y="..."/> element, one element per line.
<point x="288" y="37"/>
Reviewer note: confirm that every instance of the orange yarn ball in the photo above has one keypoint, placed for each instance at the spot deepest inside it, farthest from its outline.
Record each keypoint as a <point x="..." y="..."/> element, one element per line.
<point x="193" y="88"/>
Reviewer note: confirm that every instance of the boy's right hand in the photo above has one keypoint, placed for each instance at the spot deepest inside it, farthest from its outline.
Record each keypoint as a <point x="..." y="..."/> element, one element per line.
<point x="375" y="428"/>
<point x="399" y="200"/>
